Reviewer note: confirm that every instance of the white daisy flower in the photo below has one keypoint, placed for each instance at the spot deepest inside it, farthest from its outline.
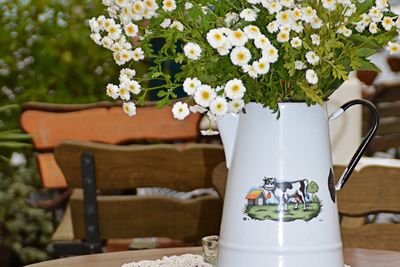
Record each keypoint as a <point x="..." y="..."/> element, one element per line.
<point x="284" y="17"/>
<point x="382" y="4"/>
<point x="296" y="14"/>
<point x="299" y="65"/>
<point x="138" y="9"/>
<point x="270" y="54"/>
<point x="137" y="54"/>
<point x="272" y="27"/>
<point x="133" y="87"/>
<point x="283" y="36"/>
<point x="373" y="28"/>
<point x="209" y="132"/>
<point x="316" y="23"/>
<point x="165" y="23"/>
<point x="366" y="19"/>
<point x="94" y="25"/>
<point x="237" y="38"/>
<point x="114" y="31"/>
<point x="250" y="70"/>
<point x="248" y="14"/>
<point x="311" y="77"/>
<point x="234" y="89"/>
<point x="188" y="5"/>
<point x="253" y="2"/>
<point x="124" y="92"/>
<point x="240" y="56"/>
<point x="308" y="13"/>
<point x="216" y="38"/>
<point x="129" y="73"/>
<point x="112" y="91"/>
<point x="297" y="27"/>
<point x="192" y="51"/>
<point x="236" y="105"/>
<point x="169" y="5"/>
<point x="190" y="85"/>
<point x="296" y="42"/>
<point x="180" y="110"/>
<point x="252" y="31"/>
<point x="387" y="23"/>
<point x="150" y="5"/>
<point x="231" y="18"/>
<point x="225" y="48"/>
<point x="347" y="33"/>
<point x="329" y="4"/>
<point x="129" y="108"/>
<point x="375" y="14"/>
<point x="261" y="42"/>
<point x="393" y="48"/>
<point x="285" y="28"/>
<point x="204" y="95"/>
<point x="315" y="40"/>
<point x="197" y="109"/>
<point x="177" y="25"/>
<point x="261" y="66"/>
<point x="287" y="3"/>
<point x="121" y="3"/>
<point x="360" y="27"/>
<point x="131" y="30"/>
<point x="96" y="37"/>
<point x="125" y="55"/>
<point x="219" y="106"/>
<point x="108" y="23"/>
<point x="107" y="42"/>
<point x="312" y="58"/>
<point x="273" y="7"/>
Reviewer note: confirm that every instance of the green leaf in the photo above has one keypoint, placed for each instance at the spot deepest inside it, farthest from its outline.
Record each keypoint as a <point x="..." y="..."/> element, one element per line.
<point x="14" y="145"/>
<point x="339" y="72"/>
<point x="366" y="52"/>
<point x="364" y="6"/>
<point x="367" y="65"/>
<point x="162" y="93"/>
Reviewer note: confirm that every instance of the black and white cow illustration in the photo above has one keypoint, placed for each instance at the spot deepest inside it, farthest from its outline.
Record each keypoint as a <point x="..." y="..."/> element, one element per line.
<point x="284" y="191"/>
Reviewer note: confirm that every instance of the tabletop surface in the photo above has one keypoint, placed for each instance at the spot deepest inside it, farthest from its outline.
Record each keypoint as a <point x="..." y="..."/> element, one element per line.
<point x="353" y="257"/>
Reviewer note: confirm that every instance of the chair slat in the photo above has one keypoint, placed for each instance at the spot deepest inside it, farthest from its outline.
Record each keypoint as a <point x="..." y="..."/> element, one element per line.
<point x="107" y="125"/>
<point x="178" y="167"/>
<point x="141" y="216"/>
<point x="373" y="189"/>
<point x="372" y="236"/>
<point x="50" y="173"/>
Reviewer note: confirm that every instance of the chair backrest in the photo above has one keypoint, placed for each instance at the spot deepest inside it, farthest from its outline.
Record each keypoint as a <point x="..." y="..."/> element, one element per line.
<point x="182" y="167"/>
<point x="104" y="122"/>
<point x="372" y="190"/>
<point x="387" y="100"/>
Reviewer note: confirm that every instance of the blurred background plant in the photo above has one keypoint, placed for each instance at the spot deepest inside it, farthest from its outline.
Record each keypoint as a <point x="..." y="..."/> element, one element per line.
<point x="46" y="55"/>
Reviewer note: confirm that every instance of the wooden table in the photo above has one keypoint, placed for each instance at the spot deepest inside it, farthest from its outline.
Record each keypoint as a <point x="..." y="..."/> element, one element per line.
<point x="353" y="257"/>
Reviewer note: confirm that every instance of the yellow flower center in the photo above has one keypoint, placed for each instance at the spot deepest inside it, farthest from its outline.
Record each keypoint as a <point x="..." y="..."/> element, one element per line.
<point x="235" y="88"/>
<point x="168" y="4"/>
<point x="217" y="36"/>
<point x="240" y="56"/>
<point x="205" y="95"/>
<point x="238" y="35"/>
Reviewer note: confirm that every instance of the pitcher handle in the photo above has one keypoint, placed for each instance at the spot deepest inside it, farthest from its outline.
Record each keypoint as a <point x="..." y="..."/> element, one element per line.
<point x="367" y="139"/>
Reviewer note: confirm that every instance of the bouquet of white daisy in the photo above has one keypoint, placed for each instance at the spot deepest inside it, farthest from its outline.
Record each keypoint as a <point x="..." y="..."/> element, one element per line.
<point x="233" y="52"/>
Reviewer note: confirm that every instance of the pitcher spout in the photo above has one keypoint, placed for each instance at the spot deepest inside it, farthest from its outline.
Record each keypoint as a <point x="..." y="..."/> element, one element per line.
<point x="227" y="126"/>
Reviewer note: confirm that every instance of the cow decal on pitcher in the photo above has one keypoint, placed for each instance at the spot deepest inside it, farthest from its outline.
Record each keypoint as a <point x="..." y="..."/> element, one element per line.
<point x="280" y="200"/>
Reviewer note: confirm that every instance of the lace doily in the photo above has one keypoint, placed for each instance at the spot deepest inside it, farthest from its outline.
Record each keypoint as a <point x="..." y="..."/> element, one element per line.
<point x="187" y="260"/>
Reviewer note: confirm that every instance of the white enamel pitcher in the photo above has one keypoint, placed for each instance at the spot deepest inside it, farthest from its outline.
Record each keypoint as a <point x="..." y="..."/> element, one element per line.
<point x="280" y="201"/>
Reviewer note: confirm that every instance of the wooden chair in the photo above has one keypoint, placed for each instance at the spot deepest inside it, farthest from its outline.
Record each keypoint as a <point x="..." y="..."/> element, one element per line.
<point x="104" y="122"/>
<point x="387" y="100"/>
<point x="372" y="190"/>
<point x="90" y="168"/>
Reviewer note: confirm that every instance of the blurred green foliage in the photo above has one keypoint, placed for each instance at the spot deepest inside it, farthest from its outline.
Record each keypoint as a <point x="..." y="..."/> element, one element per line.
<point x="24" y="229"/>
<point x="46" y="53"/>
